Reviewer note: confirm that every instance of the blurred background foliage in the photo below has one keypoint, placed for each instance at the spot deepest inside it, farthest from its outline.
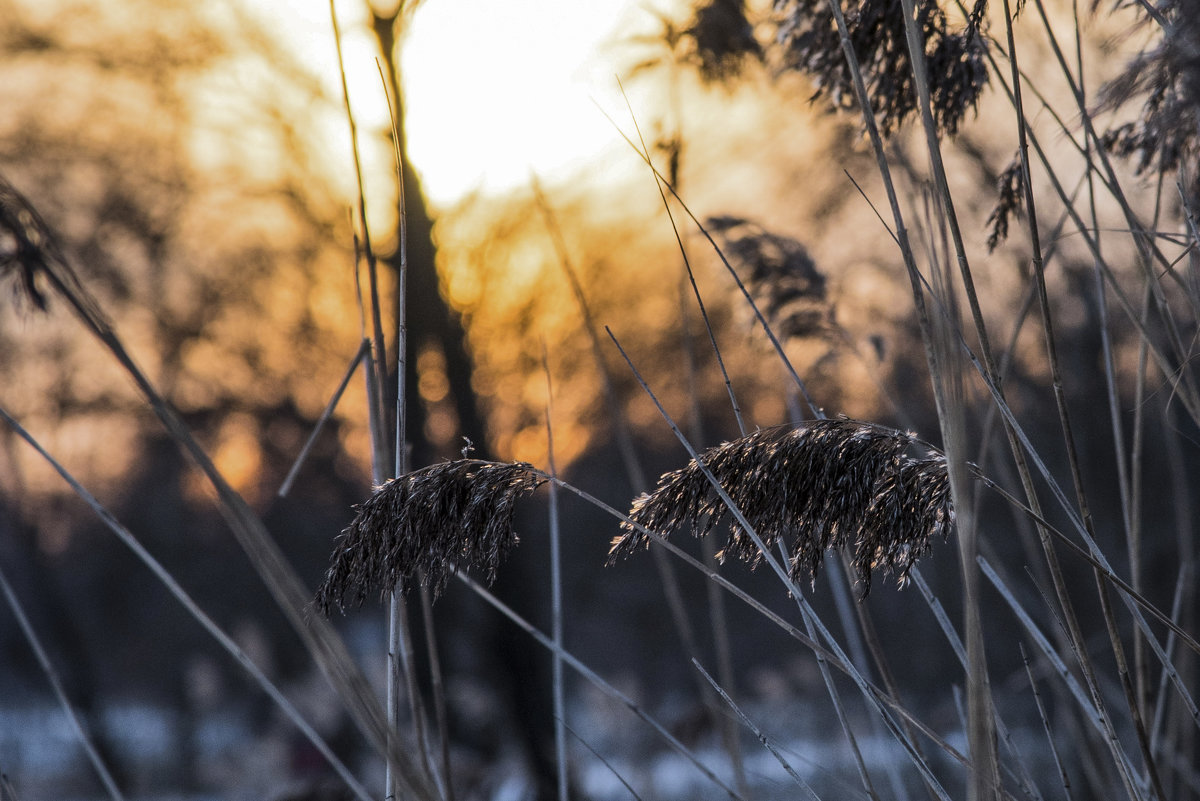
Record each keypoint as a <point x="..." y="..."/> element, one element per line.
<point x="198" y="173"/>
<point x="168" y="146"/>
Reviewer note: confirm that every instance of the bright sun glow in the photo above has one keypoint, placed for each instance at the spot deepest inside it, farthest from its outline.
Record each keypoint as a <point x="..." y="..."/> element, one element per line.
<point x="499" y="90"/>
<point x="495" y="91"/>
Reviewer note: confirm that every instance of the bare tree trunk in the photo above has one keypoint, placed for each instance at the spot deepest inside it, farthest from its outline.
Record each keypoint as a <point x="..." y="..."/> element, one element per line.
<point x="430" y="318"/>
<point x="520" y="676"/>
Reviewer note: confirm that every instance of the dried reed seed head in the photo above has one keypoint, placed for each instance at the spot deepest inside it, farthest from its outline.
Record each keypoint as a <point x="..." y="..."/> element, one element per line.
<point x="29" y="250"/>
<point x="723" y="39"/>
<point x="1166" y="134"/>
<point x="26" y="246"/>
<point x="825" y="484"/>
<point x="717" y="41"/>
<point x="1010" y="189"/>
<point x="780" y="274"/>
<point x="427" y="524"/>
<point x="810" y="42"/>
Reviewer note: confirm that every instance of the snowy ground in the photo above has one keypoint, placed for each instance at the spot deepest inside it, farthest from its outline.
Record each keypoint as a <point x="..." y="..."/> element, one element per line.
<point x="40" y="754"/>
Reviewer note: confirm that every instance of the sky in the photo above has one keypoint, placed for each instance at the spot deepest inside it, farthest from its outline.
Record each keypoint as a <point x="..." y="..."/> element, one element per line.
<point x="510" y="89"/>
<point x="496" y="91"/>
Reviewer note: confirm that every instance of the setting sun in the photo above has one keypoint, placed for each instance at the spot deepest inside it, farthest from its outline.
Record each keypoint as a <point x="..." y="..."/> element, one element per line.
<point x="499" y="90"/>
<point x="494" y="92"/>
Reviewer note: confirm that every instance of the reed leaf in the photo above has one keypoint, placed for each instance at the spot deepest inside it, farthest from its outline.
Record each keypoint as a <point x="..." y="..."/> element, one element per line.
<point x="429" y="522"/>
<point x="826" y="484"/>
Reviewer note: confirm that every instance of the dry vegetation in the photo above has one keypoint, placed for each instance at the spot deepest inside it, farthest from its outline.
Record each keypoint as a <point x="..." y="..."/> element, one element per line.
<point x="814" y="298"/>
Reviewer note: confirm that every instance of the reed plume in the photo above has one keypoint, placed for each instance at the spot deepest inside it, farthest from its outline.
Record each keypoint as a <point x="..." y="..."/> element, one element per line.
<point x="1166" y="75"/>
<point x="723" y="40"/>
<point x="428" y="523"/>
<point x="780" y="273"/>
<point x="1010" y="191"/>
<point x="825" y="484"/>
<point x="30" y="252"/>
<point x="808" y="41"/>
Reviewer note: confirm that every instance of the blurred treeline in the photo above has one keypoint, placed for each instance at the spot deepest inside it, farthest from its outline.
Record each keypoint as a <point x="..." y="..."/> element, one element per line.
<point x="187" y="160"/>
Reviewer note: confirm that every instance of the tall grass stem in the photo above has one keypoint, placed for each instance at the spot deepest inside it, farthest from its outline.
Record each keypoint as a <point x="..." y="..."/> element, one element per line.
<point x="556" y="594"/>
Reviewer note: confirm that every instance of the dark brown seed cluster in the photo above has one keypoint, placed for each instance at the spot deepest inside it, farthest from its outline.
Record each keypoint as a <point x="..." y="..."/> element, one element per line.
<point x="29" y="252"/>
<point x="1166" y="77"/>
<point x="429" y="523"/>
<point x="27" y="249"/>
<point x="825" y="484"/>
<point x="724" y="39"/>
<point x="810" y="42"/>
<point x="1010" y="191"/>
<point x="717" y="41"/>
<point x="783" y="278"/>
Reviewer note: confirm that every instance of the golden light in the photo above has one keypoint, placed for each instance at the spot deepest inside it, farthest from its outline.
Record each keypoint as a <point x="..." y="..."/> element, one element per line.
<point x="494" y="92"/>
<point x="497" y="91"/>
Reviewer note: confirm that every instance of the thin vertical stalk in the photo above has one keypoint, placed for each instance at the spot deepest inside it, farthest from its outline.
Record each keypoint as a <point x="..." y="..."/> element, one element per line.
<point x="629" y="458"/>
<point x="835" y="698"/>
<point x="985" y="776"/>
<point x="438" y="690"/>
<point x="1160" y="707"/>
<point x="1061" y="405"/>
<point x="1037" y="700"/>
<point x="556" y="596"/>
<point x="372" y="266"/>
<point x="1127" y="686"/>
<point x="401" y="444"/>
<point x="1125" y="464"/>
<point x="716" y="602"/>
<point x="1183" y="729"/>
<point x="1138" y="435"/>
<point x="400" y="668"/>
<point x="399" y="659"/>
<point x="1149" y="250"/>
